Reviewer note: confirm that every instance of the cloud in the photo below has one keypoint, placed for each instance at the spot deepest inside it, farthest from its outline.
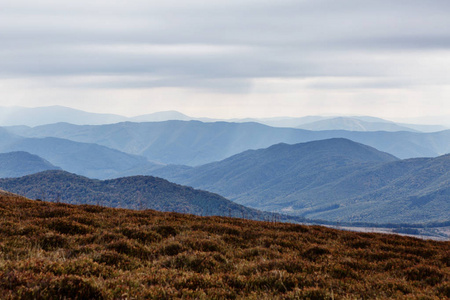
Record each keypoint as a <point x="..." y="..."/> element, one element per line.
<point x="223" y="46"/>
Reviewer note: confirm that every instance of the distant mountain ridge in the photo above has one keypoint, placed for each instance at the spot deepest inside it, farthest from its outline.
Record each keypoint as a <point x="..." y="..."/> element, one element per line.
<point x="195" y="143"/>
<point x="16" y="116"/>
<point x="353" y="124"/>
<point x="13" y="116"/>
<point x="334" y="179"/>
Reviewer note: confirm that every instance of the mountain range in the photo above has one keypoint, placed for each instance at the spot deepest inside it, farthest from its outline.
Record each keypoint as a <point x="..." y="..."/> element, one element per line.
<point x="195" y="143"/>
<point x="356" y="175"/>
<point x="17" y="116"/>
<point x="334" y="179"/>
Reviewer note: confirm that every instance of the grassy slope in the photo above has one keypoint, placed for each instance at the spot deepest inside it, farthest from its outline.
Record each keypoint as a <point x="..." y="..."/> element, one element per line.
<point x="48" y="251"/>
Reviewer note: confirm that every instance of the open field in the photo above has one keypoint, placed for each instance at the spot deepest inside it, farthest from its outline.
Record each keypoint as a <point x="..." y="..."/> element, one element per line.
<point x="52" y="251"/>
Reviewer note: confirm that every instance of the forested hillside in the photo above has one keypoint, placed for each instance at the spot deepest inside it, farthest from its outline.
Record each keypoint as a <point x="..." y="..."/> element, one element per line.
<point x="137" y="192"/>
<point x="334" y="179"/>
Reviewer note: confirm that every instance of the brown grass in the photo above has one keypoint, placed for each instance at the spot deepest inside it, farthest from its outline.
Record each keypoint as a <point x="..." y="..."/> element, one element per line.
<point x="59" y="251"/>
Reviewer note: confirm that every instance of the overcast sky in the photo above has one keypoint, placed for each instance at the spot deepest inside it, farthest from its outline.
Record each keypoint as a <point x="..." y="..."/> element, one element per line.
<point x="228" y="58"/>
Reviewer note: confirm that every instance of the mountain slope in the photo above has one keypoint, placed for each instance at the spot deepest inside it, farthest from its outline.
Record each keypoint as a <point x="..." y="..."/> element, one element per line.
<point x="416" y="189"/>
<point x="333" y="179"/>
<point x="7" y="137"/>
<point x="196" y="143"/>
<point x="246" y="171"/>
<point x="87" y="159"/>
<point x="291" y="122"/>
<point x="352" y="124"/>
<point x="16" y="164"/>
<point x="138" y="192"/>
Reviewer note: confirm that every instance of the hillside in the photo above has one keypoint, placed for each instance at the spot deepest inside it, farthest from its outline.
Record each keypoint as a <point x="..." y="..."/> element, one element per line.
<point x="352" y="124"/>
<point x="17" y="164"/>
<point x="86" y="159"/>
<point x="57" y="251"/>
<point x="195" y="143"/>
<point x="258" y="169"/>
<point x="7" y="137"/>
<point x="410" y="190"/>
<point x="138" y="192"/>
<point x="334" y="179"/>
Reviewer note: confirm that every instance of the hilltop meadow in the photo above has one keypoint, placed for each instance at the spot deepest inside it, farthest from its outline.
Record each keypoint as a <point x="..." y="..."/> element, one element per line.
<point x="62" y="251"/>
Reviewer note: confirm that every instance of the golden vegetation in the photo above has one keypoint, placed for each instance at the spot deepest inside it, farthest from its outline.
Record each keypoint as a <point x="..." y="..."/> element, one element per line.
<point x="60" y="251"/>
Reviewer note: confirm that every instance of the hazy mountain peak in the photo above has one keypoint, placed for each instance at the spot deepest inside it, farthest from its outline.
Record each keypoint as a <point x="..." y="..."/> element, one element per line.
<point x="335" y="146"/>
<point x="20" y="163"/>
<point x="161" y="116"/>
<point x="34" y="116"/>
<point x="354" y="124"/>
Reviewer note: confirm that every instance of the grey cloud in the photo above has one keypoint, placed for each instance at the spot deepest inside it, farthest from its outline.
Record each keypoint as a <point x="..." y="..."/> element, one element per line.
<point x="278" y="38"/>
<point x="222" y="85"/>
<point x="372" y="83"/>
<point x="252" y="63"/>
<point x="417" y="42"/>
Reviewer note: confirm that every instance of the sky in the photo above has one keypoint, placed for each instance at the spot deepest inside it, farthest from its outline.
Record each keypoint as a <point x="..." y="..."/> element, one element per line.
<point x="228" y="58"/>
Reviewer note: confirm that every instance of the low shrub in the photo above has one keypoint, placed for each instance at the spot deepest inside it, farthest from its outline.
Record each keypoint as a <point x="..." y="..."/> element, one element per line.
<point x="196" y="262"/>
<point x="128" y="247"/>
<point x="52" y="241"/>
<point x="64" y="226"/>
<point x="89" y="252"/>
<point x="114" y="259"/>
<point x="204" y="245"/>
<point x="429" y="274"/>
<point x="165" y="230"/>
<point x="67" y="287"/>
<point x="315" y="252"/>
<point x="171" y="249"/>
<point x="144" y="236"/>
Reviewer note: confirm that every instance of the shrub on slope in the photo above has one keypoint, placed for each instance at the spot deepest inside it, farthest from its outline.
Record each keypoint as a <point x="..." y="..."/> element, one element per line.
<point x="55" y="251"/>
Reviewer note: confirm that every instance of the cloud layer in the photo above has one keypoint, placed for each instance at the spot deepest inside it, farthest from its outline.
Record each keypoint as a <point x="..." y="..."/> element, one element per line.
<point x="227" y="47"/>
